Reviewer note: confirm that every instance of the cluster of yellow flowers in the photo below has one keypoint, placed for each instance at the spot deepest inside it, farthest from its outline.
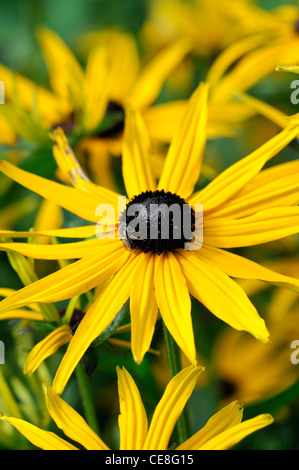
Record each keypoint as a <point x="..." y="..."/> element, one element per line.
<point x="116" y="141"/>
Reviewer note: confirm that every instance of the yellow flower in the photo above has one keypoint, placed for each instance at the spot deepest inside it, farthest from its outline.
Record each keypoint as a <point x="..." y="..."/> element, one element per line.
<point x="209" y="24"/>
<point x="251" y="372"/>
<point x="245" y="369"/>
<point x="254" y="41"/>
<point x="113" y="78"/>
<point x="222" y="431"/>
<point x="243" y="206"/>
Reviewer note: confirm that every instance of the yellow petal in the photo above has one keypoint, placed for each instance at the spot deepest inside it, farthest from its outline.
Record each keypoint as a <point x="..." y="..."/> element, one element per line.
<point x="143" y="307"/>
<point x="97" y="87"/>
<point x="66" y="74"/>
<point x="170" y="408"/>
<point x="45" y="348"/>
<point x="80" y="203"/>
<point x="22" y="314"/>
<point x="174" y="302"/>
<point x="71" y="169"/>
<point x="221" y="295"/>
<point x="235" y="434"/>
<point x="26" y="95"/>
<point x="229" y="56"/>
<point x="253" y="67"/>
<point x="7" y="132"/>
<point x="43" y="439"/>
<point x="71" y="280"/>
<point x="224" y="419"/>
<point x="262" y="227"/>
<point x="234" y="178"/>
<point x="239" y="267"/>
<point x="275" y="187"/>
<point x="72" y="232"/>
<point x="183" y="161"/>
<point x="137" y="172"/>
<point x="151" y="79"/>
<point x="132" y="419"/>
<point x="163" y="119"/>
<point x="123" y="58"/>
<point x="97" y="318"/>
<point x="270" y="112"/>
<point x="49" y="216"/>
<point x="99" y="160"/>
<point x="60" y="251"/>
<point x="71" y="423"/>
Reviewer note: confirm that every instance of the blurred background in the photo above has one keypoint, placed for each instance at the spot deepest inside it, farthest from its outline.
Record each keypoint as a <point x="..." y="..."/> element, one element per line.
<point x="237" y="366"/>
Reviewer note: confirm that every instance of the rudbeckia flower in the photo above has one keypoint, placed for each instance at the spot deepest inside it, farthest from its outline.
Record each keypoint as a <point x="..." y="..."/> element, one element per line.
<point x="210" y="25"/>
<point x="243" y="206"/>
<point x="113" y="78"/>
<point x="272" y="38"/>
<point x="269" y="370"/>
<point x="222" y="431"/>
<point x="256" y="42"/>
<point x="251" y="372"/>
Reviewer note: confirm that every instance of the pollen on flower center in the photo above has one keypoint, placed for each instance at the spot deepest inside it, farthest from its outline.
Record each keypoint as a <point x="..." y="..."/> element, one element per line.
<point x="157" y="221"/>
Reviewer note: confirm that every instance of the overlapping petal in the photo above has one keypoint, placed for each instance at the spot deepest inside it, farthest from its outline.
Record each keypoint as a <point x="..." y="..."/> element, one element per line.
<point x="242" y="268"/>
<point x="234" y="178"/>
<point x="275" y="187"/>
<point x="170" y="408"/>
<point x="235" y="434"/>
<point x="74" y="279"/>
<point x="97" y="318"/>
<point x="262" y="227"/>
<point x="136" y="169"/>
<point x="183" y="161"/>
<point x="84" y="205"/>
<point x="152" y="77"/>
<point x="71" y="423"/>
<point x="229" y="416"/>
<point x="221" y="295"/>
<point x="45" y="440"/>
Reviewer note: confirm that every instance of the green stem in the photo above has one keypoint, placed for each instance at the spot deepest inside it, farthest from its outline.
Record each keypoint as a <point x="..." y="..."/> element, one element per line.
<point x="175" y="366"/>
<point x="86" y="396"/>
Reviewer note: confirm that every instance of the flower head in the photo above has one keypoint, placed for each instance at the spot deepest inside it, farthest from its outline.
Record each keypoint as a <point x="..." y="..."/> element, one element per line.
<point x="243" y="206"/>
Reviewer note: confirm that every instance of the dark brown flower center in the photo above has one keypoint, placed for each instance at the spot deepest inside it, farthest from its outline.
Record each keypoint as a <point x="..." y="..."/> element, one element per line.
<point x="157" y="221"/>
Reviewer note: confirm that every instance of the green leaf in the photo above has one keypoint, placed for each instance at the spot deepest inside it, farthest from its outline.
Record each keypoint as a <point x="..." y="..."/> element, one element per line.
<point x="113" y="326"/>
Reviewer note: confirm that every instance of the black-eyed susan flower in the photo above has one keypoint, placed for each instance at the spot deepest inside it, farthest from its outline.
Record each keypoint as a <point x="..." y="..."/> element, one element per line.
<point x="251" y="372"/>
<point x="271" y="39"/>
<point x="256" y="41"/>
<point x="269" y="370"/>
<point x="243" y="206"/>
<point x="87" y="103"/>
<point x="210" y="25"/>
<point x="222" y="431"/>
